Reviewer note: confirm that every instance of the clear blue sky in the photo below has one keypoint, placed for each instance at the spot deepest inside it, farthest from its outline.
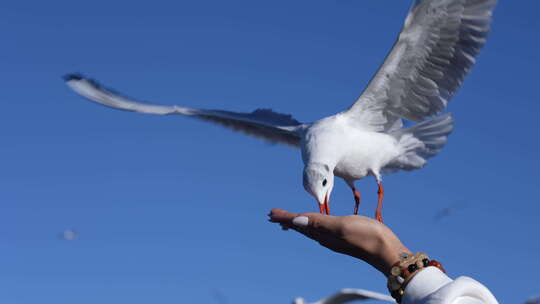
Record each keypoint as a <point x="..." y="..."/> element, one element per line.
<point x="173" y="210"/>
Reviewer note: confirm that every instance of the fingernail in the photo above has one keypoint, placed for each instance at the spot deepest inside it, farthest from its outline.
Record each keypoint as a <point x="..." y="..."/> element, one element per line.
<point x="301" y="221"/>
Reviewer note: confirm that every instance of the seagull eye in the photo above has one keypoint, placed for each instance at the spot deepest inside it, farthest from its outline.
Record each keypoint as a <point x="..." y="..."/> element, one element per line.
<point x="324" y="182"/>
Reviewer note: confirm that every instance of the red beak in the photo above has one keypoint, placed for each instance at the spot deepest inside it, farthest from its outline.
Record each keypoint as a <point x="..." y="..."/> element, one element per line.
<point x="325" y="208"/>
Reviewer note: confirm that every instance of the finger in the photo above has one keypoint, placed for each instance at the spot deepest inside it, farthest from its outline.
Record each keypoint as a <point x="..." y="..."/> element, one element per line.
<point x="307" y="222"/>
<point x="317" y="223"/>
<point x="281" y="216"/>
<point x="285" y="227"/>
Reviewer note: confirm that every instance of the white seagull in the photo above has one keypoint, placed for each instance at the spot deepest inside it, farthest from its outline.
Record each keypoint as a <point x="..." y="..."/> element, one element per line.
<point x="426" y="66"/>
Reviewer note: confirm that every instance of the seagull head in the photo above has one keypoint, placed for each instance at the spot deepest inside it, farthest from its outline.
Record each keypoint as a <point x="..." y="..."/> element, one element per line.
<point x="319" y="181"/>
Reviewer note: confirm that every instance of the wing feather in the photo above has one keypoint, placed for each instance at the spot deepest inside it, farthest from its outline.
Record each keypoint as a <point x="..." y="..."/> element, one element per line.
<point x="350" y="295"/>
<point x="262" y="123"/>
<point x="433" y="53"/>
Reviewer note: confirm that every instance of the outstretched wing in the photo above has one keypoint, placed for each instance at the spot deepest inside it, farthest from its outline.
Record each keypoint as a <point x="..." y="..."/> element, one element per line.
<point x="435" y="50"/>
<point x="350" y="295"/>
<point x="262" y="123"/>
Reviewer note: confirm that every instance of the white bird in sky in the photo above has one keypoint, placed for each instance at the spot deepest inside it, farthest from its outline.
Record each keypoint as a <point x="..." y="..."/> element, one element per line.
<point x="349" y="295"/>
<point x="426" y="66"/>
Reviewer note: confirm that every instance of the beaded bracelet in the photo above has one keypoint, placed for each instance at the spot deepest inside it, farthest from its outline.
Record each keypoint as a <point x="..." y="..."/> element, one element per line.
<point x="404" y="270"/>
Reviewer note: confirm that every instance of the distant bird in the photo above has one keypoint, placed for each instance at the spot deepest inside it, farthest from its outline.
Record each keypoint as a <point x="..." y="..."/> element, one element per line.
<point x="69" y="235"/>
<point x="450" y="210"/>
<point x="219" y="296"/>
<point x="445" y="212"/>
<point x="349" y="295"/>
<point x="535" y="300"/>
<point x="433" y="53"/>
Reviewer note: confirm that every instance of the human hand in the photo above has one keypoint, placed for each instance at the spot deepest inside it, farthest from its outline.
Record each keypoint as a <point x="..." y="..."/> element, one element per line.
<point x="358" y="236"/>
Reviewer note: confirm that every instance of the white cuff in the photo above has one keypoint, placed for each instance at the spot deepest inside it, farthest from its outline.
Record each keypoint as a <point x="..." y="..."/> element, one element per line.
<point x="432" y="286"/>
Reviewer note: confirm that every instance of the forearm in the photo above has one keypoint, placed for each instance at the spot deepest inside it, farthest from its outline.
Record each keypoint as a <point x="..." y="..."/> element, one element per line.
<point x="376" y="244"/>
<point x="389" y="255"/>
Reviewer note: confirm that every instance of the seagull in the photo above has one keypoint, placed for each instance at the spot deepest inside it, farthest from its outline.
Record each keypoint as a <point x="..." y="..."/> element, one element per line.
<point x="434" y="51"/>
<point x="69" y="235"/>
<point x="349" y="295"/>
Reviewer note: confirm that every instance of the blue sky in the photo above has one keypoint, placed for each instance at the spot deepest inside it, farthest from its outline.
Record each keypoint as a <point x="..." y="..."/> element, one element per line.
<point x="173" y="210"/>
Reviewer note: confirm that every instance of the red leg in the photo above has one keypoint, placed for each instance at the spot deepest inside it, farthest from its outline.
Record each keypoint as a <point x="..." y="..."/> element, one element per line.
<point x="357" y="197"/>
<point x="378" y="213"/>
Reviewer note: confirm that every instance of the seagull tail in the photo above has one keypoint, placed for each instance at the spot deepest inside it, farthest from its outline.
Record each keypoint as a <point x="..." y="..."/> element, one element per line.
<point x="420" y="142"/>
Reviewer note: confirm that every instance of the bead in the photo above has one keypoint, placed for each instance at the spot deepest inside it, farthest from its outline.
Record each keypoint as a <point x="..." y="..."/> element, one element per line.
<point x="426" y="262"/>
<point x="400" y="280"/>
<point x="419" y="264"/>
<point x="395" y="271"/>
<point x="397" y="294"/>
<point x="394" y="284"/>
<point x="437" y="264"/>
<point x="403" y="255"/>
<point x="412" y="268"/>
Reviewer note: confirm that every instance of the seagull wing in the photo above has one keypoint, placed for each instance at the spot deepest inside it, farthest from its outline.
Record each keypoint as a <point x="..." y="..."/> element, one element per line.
<point x="349" y="295"/>
<point x="433" y="53"/>
<point x="262" y="123"/>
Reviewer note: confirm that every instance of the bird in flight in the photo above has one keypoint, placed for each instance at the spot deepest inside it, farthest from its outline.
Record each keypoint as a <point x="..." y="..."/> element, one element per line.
<point x="436" y="48"/>
<point x="349" y="295"/>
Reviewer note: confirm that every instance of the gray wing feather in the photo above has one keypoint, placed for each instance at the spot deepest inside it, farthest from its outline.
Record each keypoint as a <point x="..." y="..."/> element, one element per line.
<point x="435" y="50"/>
<point x="262" y="123"/>
<point x="349" y="295"/>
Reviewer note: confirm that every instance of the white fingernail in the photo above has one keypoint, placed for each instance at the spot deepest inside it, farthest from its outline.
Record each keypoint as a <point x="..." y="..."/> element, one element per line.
<point x="301" y="221"/>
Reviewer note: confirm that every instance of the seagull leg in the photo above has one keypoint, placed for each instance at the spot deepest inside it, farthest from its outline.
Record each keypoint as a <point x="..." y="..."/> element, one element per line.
<point x="357" y="197"/>
<point x="378" y="213"/>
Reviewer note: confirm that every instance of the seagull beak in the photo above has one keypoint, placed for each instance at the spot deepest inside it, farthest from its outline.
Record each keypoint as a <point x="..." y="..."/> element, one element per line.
<point x="325" y="207"/>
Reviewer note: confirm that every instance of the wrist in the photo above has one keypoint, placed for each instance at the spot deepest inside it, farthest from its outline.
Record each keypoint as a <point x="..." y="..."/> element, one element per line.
<point x="391" y="253"/>
<point x="405" y="270"/>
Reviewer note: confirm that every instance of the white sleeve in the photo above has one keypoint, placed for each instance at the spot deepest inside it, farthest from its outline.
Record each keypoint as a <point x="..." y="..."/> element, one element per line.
<point x="432" y="286"/>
